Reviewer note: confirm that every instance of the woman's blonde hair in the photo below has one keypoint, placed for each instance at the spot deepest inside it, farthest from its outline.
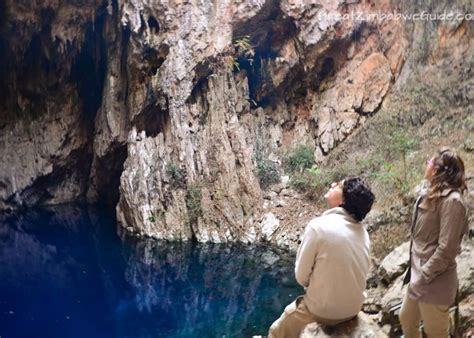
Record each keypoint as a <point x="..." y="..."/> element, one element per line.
<point x="449" y="173"/>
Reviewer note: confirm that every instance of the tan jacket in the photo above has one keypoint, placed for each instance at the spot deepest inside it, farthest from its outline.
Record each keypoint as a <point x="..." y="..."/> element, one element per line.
<point x="332" y="264"/>
<point x="437" y="234"/>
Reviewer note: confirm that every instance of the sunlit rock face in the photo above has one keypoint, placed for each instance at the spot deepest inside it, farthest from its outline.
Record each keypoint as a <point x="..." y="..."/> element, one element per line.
<point x="216" y="105"/>
<point x="164" y="109"/>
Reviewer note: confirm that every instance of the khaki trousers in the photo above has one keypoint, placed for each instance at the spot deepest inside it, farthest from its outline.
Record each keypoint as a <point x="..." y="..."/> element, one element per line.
<point x="435" y="318"/>
<point x="294" y="319"/>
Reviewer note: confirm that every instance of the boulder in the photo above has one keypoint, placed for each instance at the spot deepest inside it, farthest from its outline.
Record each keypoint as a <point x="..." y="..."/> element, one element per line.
<point x="373" y="301"/>
<point x="269" y="224"/>
<point x="269" y="258"/>
<point x="395" y="263"/>
<point x="393" y="296"/>
<point x="466" y="269"/>
<point x="361" y="327"/>
<point x="396" y="291"/>
<point x="466" y="316"/>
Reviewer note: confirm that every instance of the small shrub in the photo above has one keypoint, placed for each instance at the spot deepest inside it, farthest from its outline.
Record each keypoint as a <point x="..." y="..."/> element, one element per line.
<point x="267" y="170"/>
<point x="299" y="158"/>
<point x="156" y="217"/>
<point x="267" y="173"/>
<point x="242" y="51"/>
<point x="193" y="202"/>
<point x="400" y="144"/>
<point x="177" y="174"/>
<point x="314" y="181"/>
<point x="243" y="44"/>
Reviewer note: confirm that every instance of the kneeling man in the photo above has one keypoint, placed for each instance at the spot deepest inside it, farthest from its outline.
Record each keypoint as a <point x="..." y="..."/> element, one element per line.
<point x="332" y="262"/>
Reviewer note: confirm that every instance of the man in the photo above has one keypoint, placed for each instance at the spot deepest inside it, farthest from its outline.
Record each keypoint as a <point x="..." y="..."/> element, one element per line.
<point x="332" y="262"/>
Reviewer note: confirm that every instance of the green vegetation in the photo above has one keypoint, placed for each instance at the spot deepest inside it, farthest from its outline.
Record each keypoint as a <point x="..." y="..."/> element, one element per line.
<point x="243" y="44"/>
<point x="396" y="146"/>
<point x="193" y="202"/>
<point x="305" y="178"/>
<point x="267" y="170"/>
<point x="267" y="173"/>
<point x="310" y="182"/>
<point x="155" y="217"/>
<point x="388" y="163"/>
<point x="177" y="174"/>
<point x="298" y="158"/>
<point x="313" y="182"/>
<point x="243" y="49"/>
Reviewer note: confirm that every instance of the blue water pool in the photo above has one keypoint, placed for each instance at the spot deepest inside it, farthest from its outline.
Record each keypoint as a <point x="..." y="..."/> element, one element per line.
<point x="64" y="272"/>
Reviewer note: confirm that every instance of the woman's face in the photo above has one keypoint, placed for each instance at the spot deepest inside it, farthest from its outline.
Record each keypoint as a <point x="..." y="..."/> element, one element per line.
<point x="430" y="170"/>
<point x="334" y="196"/>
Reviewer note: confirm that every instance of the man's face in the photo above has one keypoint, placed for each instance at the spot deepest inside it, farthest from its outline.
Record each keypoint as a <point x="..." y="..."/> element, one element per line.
<point x="334" y="195"/>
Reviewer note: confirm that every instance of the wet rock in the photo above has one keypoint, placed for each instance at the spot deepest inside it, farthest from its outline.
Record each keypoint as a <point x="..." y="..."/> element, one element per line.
<point x="269" y="258"/>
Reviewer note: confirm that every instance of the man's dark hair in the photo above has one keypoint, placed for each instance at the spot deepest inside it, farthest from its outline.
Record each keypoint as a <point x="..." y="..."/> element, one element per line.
<point x="358" y="198"/>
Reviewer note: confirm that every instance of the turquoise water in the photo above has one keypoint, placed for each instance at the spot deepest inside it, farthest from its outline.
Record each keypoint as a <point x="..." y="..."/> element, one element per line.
<point x="64" y="272"/>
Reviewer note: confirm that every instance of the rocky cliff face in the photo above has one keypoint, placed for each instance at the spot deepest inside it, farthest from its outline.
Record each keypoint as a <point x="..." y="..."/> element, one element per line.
<point x="165" y="109"/>
<point x="52" y="63"/>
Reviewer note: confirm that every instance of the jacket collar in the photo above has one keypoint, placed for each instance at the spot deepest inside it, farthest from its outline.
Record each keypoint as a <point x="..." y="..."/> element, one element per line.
<point x="446" y="192"/>
<point x="342" y="212"/>
<point x="430" y="205"/>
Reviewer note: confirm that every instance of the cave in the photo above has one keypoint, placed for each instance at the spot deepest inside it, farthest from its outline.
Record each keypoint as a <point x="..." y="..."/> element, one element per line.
<point x="153" y="24"/>
<point x="154" y="118"/>
<point x="88" y="70"/>
<point x="267" y="31"/>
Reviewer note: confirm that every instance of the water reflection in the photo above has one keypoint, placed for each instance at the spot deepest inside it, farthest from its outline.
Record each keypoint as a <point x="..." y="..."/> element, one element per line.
<point x="64" y="273"/>
<point x="233" y="290"/>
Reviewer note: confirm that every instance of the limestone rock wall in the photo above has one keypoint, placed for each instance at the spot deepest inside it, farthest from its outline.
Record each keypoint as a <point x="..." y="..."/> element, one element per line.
<point x="301" y="80"/>
<point x="48" y="51"/>
<point x="162" y="108"/>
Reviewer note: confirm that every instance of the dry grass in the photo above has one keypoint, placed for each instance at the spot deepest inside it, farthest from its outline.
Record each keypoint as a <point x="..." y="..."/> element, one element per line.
<point x="386" y="238"/>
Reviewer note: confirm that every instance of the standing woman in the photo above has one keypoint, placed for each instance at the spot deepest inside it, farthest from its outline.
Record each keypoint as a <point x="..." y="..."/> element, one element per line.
<point x="440" y="221"/>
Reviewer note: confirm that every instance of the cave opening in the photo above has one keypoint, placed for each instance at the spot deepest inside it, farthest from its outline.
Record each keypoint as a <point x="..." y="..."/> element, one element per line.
<point x="153" y="24"/>
<point x="89" y="68"/>
<point x="327" y="69"/>
<point x="107" y="183"/>
<point x="267" y="32"/>
<point x="154" y="118"/>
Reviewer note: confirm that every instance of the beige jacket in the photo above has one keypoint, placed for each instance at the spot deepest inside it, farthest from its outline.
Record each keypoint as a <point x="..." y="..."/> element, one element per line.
<point x="332" y="264"/>
<point x="437" y="234"/>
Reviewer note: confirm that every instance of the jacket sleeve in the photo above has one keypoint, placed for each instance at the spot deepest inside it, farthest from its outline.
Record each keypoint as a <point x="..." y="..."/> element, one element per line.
<point x="452" y="227"/>
<point x="306" y="256"/>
